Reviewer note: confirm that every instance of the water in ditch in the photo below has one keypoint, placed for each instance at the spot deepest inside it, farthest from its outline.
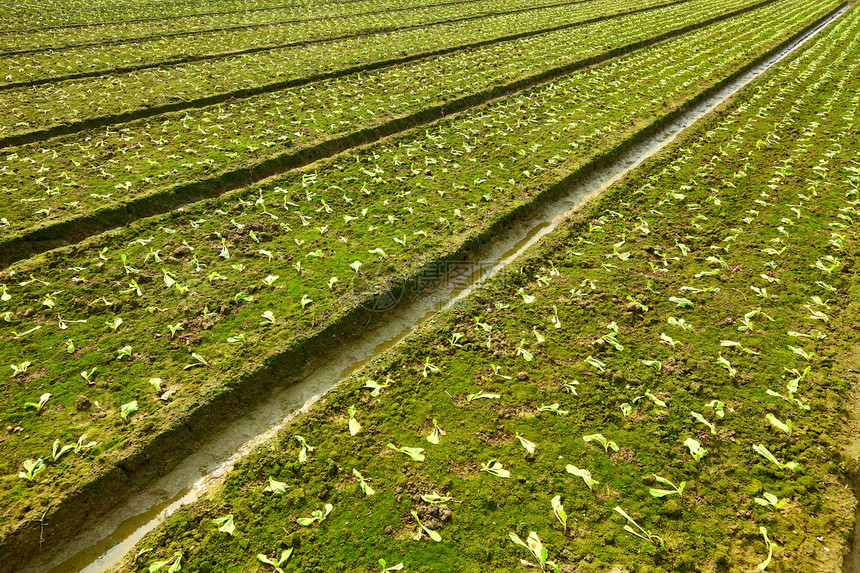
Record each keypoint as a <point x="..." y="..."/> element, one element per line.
<point x="107" y="541"/>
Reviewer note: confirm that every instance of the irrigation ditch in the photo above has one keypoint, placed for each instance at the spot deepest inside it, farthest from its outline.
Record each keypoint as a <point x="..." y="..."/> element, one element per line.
<point x="199" y="461"/>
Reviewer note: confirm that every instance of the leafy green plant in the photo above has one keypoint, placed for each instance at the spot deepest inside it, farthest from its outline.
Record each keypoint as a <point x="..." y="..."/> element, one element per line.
<point x="435" y="498"/>
<point x="305" y="449"/>
<point x="534" y="545"/>
<point x="639" y="531"/>
<point x="558" y="511"/>
<point x="38" y="406"/>
<point x="362" y="483"/>
<point x="770" y="500"/>
<point x="19" y="368"/>
<point x="702" y="419"/>
<point x="384" y="567"/>
<point x="776" y="423"/>
<point x="417" y="454"/>
<point x="554" y="408"/>
<point x="354" y="426"/>
<point x="198" y="361"/>
<point x="495" y="468"/>
<point x="424" y="529"/>
<point x="32" y="468"/>
<point x="435" y="433"/>
<point x="600" y="439"/>
<point x="375" y="387"/>
<point x="679" y="489"/>
<point x="481" y="395"/>
<point x="276" y="563"/>
<point x="696" y="449"/>
<point x="761" y="450"/>
<point x="276" y="487"/>
<point x="82" y="445"/>
<point x="770" y="547"/>
<point x="527" y="444"/>
<point x="57" y="451"/>
<point x="127" y="410"/>
<point x="317" y="515"/>
<point x="584" y="474"/>
<point x="176" y="561"/>
<point x="225" y="524"/>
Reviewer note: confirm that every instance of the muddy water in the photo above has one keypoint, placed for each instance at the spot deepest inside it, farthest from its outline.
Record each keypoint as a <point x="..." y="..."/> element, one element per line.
<point x="106" y="542"/>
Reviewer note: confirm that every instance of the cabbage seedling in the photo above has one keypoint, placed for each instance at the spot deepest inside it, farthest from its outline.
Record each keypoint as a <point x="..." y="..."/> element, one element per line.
<point x="428" y="368"/>
<point x="761" y="450"/>
<point x="774" y="421"/>
<point x="497" y="371"/>
<point x="317" y="515"/>
<point x="43" y="399"/>
<point x="225" y="524"/>
<point x="626" y="409"/>
<point x="535" y="546"/>
<point x="571" y="387"/>
<point x="424" y="529"/>
<point x="664" y="492"/>
<point x="384" y="569"/>
<point x="176" y="561"/>
<point x="124" y="352"/>
<point x="57" y="451"/>
<point x="770" y="500"/>
<point x="416" y="454"/>
<point x="200" y="361"/>
<point x="362" y="483"/>
<point x="601" y="366"/>
<point x="696" y="449"/>
<point x="354" y="426"/>
<point x="435" y="433"/>
<point x="639" y="531"/>
<point x="435" y="498"/>
<point x="268" y="318"/>
<point x="528" y="356"/>
<point x="584" y="474"/>
<point x="156" y="383"/>
<point x="303" y="453"/>
<point x="657" y="401"/>
<point x="375" y="387"/>
<point x="32" y="469"/>
<point x="702" y="419"/>
<point x="285" y="555"/>
<point x="553" y="408"/>
<point x="81" y="446"/>
<point x="727" y="365"/>
<point x="482" y="395"/>
<point x="655" y="364"/>
<point x="19" y="368"/>
<point x="718" y="406"/>
<point x="495" y="468"/>
<point x="127" y="410"/>
<point x="558" y="511"/>
<point x="527" y="298"/>
<point x="276" y="487"/>
<point x="527" y="444"/>
<point x="681" y="302"/>
<point x="600" y="439"/>
<point x="770" y="546"/>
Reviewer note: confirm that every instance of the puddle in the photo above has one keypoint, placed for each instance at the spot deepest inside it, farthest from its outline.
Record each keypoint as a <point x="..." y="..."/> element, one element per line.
<point x="107" y="541"/>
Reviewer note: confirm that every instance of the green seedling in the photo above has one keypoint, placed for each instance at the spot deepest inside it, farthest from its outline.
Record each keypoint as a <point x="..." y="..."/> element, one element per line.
<point x="435" y="433"/>
<point x="584" y="474"/>
<point x="88" y="375"/>
<point x="115" y="323"/>
<point x="727" y="365"/>
<point x="600" y="439"/>
<point x="19" y="335"/>
<point x="237" y="338"/>
<point x="124" y="352"/>
<point x="424" y="529"/>
<point x="493" y="467"/>
<point x="790" y="398"/>
<point x="362" y="483"/>
<point x="305" y="449"/>
<point x="430" y="368"/>
<point x="38" y="406"/>
<point x="558" y="511"/>
<point x="770" y="500"/>
<point x="639" y="531"/>
<point x="761" y="450"/>
<point x="718" y="406"/>
<point x="317" y="515"/>
<point x="482" y="395"/>
<point x="456" y="338"/>
<point x="127" y="410"/>
<point x="276" y="487"/>
<point x="527" y="444"/>
<point x="375" y="387"/>
<point x="19" y="368"/>
<point x="601" y="366"/>
<point x="681" y="302"/>
<point x="626" y="409"/>
<point x="416" y="454"/>
<point x="666" y="339"/>
<point x="571" y="387"/>
<point x="655" y="364"/>
<point x="175" y="564"/>
<point x="82" y="445"/>
<point x="57" y="451"/>
<point x="198" y="361"/>
<point x="679" y="489"/>
<point x="354" y="426"/>
<point x="679" y="322"/>
<point x="553" y="408"/>
<point x="696" y="449"/>
<point x="528" y="356"/>
<point x="527" y="298"/>
<point x="32" y="468"/>
<point x="268" y="318"/>
<point x="702" y="419"/>
<point x="174" y="328"/>
<point x="497" y="371"/>
<point x="555" y="321"/>
<point x="657" y="401"/>
<point x="739" y="346"/>
<point x="801" y="352"/>
<point x="774" y="421"/>
<point x="276" y="563"/>
<point x="535" y="546"/>
<point x="770" y="547"/>
<point x="156" y="383"/>
<point x="225" y="524"/>
<point x="435" y="498"/>
<point x="384" y="568"/>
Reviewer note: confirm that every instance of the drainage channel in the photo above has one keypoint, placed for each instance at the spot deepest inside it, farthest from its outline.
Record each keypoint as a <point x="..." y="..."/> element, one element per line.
<point x="106" y="542"/>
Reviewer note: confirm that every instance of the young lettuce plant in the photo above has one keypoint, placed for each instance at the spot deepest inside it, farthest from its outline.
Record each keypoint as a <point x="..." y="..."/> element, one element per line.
<point x="482" y="395"/>
<point x="354" y="426"/>
<point x="584" y="474"/>
<point x="770" y="500"/>
<point x="362" y="483"/>
<point x="38" y="406"/>
<point x="435" y="433"/>
<point x="417" y="454"/>
<point x="317" y="515"/>
<point x="276" y="563"/>
<point x="553" y="408"/>
<point x="435" y="498"/>
<point x="558" y="511"/>
<point x="495" y="468"/>
<point x="527" y="444"/>
<point x="702" y="419"/>
<point x="534" y="545"/>
<point x="276" y="487"/>
<point x="375" y="387"/>
<point x="225" y="524"/>
<point x="640" y="531"/>
<point x="770" y="547"/>
<point x="761" y="450"/>
<point x="57" y="451"/>
<point x="127" y="410"/>
<point x="175" y="563"/>
<point x="776" y="423"/>
<point x="384" y="568"/>
<point x="679" y="489"/>
<point x="32" y="469"/>
<point x="600" y="439"/>
<point x="424" y="529"/>
<point x="696" y="449"/>
<point x="305" y="449"/>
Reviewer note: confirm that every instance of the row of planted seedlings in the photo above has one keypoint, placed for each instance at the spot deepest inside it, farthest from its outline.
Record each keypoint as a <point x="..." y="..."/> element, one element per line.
<point x="35" y="108"/>
<point x="136" y="28"/>
<point x="287" y="29"/>
<point x="656" y="388"/>
<point x="80" y="173"/>
<point x="119" y="337"/>
<point x="104" y="58"/>
<point x="66" y="13"/>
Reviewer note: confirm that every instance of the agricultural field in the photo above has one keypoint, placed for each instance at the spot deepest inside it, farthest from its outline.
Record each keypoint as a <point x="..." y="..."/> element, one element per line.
<point x="663" y="383"/>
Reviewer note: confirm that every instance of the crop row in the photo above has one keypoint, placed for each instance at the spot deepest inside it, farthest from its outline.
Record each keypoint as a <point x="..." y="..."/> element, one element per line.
<point x="280" y="29"/>
<point x="92" y="170"/>
<point x="56" y="15"/>
<point x="102" y="59"/>
<point x="114" y="337"/>
<point x="657" y="388"/>
<point x="116" y="32"/>
<point x="38" y="107"/>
